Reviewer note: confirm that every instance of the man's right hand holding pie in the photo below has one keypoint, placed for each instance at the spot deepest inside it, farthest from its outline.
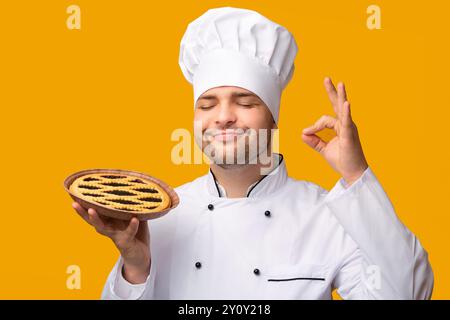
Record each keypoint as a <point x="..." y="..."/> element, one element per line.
<point x="132" y="239"/>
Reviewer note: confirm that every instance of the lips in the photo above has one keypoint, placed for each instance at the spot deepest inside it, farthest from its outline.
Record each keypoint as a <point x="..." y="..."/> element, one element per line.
<point x="227" y="135"/>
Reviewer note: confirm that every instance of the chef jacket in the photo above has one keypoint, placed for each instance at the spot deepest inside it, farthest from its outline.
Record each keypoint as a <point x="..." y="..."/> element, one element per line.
<point x="287" y="239"/>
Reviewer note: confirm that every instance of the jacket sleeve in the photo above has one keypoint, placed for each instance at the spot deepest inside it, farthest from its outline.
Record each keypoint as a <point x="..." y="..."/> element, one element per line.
<point x="390" y="262"/>
<point x="118" y="288"/>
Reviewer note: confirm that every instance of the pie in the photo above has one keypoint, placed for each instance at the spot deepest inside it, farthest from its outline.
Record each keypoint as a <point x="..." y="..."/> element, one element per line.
<point x="121" y="192"/>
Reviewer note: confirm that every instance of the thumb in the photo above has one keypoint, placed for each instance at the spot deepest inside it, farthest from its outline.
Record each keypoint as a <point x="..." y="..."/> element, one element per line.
<point x="132" y="228"/>
<point x="314" y="142"/>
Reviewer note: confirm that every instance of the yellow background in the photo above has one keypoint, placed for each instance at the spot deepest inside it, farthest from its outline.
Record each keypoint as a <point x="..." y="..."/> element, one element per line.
<point x="109" y="96"/>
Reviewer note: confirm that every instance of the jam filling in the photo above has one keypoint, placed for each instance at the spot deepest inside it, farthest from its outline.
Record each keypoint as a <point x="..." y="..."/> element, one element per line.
<point x="150" y="199"/>
<point x="88" y="187"/>
<point x="115" y="184"/>
<point x="123" y="201"/>
<point x="120" y="192"/>
<point x="113" y="177"/>
<point x="146" y="190"/>
<point x="93" y="195"/>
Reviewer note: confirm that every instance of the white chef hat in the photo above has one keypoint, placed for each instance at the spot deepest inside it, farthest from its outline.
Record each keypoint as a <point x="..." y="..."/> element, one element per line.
<point x="238" y="47"/>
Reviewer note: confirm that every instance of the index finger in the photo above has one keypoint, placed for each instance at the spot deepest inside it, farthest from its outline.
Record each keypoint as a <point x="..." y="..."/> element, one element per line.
<point x="81" y="211"/>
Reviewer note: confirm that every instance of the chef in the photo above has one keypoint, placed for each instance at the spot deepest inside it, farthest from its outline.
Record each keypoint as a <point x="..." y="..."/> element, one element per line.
<point x="248" y="230"/>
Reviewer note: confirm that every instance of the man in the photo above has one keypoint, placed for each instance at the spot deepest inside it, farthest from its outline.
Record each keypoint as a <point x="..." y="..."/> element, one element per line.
<point x="246" y="230"/>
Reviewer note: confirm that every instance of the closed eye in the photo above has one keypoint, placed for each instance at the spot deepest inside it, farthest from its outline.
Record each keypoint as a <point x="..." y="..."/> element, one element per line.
<point x="205" y="107"/>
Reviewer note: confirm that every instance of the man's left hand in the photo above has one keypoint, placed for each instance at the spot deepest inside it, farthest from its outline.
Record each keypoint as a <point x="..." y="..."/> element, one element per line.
<point x="344" y="152"/>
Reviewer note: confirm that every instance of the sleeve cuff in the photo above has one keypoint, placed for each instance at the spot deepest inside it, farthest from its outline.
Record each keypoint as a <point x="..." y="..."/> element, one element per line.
<point x="340" y="186"/>
<point x="122" y="289"/>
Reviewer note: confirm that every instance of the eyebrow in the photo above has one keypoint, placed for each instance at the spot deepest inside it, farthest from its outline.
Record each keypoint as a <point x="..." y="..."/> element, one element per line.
<point x="234" y="95"/>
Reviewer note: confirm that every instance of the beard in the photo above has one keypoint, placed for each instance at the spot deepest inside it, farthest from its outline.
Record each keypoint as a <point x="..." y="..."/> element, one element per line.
<point x="245" y="146"/>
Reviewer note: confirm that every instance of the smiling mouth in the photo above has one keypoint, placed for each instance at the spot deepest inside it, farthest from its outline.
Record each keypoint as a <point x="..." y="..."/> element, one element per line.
<point x="229" y="136"/>
<point x="226" y="135"/>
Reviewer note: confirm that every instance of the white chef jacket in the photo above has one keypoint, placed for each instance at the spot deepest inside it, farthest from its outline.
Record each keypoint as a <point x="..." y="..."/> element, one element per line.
<point x="287" y="239"/>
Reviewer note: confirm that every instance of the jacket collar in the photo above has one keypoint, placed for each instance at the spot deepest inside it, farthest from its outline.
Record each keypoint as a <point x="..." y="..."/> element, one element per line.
<point x="264" y="187"/>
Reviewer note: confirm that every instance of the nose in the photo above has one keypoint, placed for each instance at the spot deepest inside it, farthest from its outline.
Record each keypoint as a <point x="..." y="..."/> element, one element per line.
<point x="226" y="116"/>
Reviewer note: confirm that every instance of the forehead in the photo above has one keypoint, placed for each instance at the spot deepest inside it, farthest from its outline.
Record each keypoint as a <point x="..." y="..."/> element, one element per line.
<point x="227" y="92"/>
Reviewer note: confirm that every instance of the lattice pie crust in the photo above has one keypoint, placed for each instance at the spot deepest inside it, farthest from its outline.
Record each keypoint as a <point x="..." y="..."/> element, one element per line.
<point x="121" y="191"/>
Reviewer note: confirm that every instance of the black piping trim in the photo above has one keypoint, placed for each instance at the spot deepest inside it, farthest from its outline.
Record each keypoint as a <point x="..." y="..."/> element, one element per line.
<point x="215" y="182"/>
<point x="248" y="193"/>
<point x="319" y="279"/>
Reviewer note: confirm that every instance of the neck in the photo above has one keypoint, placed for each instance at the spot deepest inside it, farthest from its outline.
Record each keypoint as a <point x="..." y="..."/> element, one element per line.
<point x="236" y="179"/>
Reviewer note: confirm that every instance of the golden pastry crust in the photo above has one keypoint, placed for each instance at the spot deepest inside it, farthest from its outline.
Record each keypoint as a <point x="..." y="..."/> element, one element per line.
<point x="122" y="192"/>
